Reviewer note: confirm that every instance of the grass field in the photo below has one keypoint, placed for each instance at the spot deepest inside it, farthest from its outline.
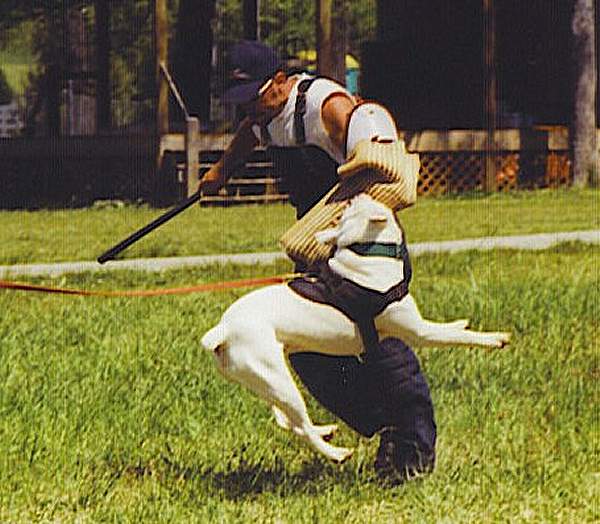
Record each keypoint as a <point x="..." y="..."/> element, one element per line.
<point x="111" y="412"/>
<point x="65" y="235"/>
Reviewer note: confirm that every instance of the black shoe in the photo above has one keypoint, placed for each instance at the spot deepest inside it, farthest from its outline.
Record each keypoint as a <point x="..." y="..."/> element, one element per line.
<point x="399" y="460"/>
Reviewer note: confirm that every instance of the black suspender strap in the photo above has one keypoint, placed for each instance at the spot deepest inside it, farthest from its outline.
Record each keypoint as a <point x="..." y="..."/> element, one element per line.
<point x="370" y="339"/>
<point x="300" y="110"/>
<point x="265" y="135"/>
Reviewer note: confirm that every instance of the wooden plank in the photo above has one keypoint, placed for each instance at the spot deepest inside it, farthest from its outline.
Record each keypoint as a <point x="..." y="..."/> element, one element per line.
<point x="243" y="199"/>
<point x="252" y="181"/>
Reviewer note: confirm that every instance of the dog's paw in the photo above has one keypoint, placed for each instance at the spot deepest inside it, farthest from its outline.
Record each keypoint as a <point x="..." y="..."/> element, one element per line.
<point x="462" y="323"/>
<point x="502" y="339"/>
<point x="340" y="455"/>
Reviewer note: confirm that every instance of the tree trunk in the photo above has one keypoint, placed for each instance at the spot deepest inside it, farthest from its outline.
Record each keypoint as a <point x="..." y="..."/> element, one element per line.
<point x="250" y="14"/>
<point x="161" y="38"/>
<point x="583" y="128"/>
<point x="339" y="35"/>
<point x="491" y="106"/>
<point x="192" y="55"/>
<point x="103" y="119"/>
<point x="331" y="41"/>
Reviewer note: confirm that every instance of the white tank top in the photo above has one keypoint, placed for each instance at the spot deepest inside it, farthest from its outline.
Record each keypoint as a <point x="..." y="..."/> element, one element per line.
<point x="281" y="128"/>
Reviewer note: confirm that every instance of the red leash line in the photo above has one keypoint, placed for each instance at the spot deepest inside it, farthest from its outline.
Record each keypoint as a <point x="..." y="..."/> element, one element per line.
<point x="212" y="286"/>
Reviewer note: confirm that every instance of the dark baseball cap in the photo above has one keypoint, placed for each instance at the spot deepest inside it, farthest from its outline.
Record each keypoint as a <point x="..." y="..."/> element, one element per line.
<point x="250" y="65"/>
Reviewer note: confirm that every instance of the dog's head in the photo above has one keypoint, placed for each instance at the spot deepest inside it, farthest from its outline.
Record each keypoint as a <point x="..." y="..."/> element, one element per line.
<point x="364" y="220"/>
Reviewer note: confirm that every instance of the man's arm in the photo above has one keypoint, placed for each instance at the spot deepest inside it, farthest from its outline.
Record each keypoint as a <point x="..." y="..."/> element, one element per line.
<point x="336" y="111"/>
<point x="237" y="152"/>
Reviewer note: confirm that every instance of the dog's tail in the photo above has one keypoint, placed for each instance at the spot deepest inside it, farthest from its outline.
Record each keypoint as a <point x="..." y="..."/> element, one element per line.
<point x="214" y="337"/>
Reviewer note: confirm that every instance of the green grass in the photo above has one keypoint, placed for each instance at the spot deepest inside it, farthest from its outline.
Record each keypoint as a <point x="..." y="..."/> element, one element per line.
<point x="65" y="235"/>
<point x="110" y="411"/>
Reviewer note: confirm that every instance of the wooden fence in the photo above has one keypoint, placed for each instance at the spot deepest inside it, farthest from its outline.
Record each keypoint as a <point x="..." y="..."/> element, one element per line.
<point x="76" y="171"/>
<point x="451" y="162"/>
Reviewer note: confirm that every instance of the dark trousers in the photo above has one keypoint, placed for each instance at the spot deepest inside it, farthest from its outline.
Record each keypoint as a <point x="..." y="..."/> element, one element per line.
<point x="386" y="391"/>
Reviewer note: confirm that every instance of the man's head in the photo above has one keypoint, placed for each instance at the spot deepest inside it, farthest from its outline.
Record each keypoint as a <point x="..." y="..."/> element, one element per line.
<point x="257" y="81"/>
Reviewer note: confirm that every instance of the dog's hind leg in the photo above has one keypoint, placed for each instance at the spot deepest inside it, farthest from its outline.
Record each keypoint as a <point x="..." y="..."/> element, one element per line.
<point x="287" y="398"/>
<point x="281" y="418"/>
<point x="256" y="360"/>
<point x="326" y="431"/>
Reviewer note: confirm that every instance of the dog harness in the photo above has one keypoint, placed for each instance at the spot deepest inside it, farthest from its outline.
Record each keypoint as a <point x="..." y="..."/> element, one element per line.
<point x="353" y="300"/>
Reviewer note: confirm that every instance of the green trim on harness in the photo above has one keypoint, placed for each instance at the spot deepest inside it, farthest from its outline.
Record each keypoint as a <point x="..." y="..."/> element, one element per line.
<point x="379" y="249"/>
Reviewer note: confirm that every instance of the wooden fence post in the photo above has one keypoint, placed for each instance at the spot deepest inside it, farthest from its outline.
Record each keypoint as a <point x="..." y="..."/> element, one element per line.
<point x="491" y="109"/>
<point x="192" y="154"/>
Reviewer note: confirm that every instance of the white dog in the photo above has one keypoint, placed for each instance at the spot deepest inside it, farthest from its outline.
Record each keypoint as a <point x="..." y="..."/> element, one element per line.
<point x="256" y="332"/>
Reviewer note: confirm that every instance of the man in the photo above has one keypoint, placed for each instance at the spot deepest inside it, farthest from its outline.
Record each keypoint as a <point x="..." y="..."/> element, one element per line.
<point x="307" y="123"/>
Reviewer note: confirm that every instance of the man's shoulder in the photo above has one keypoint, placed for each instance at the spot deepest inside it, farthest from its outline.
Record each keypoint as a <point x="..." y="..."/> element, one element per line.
<point x="322" y="88"/>
<point x="325" y="81"/>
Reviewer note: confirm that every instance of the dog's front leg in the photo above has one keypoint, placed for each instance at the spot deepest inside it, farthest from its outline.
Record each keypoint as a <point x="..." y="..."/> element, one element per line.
<point x="403" y="320"/>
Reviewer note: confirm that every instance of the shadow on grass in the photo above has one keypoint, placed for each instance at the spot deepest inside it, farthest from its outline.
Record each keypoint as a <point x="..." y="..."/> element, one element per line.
<point x="253" y="479"/>
<point x="247" y="479"/>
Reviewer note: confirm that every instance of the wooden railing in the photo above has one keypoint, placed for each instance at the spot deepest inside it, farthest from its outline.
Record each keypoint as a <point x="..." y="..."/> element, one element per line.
<point x="76" y="171"/>
<point x="451" y="162"/>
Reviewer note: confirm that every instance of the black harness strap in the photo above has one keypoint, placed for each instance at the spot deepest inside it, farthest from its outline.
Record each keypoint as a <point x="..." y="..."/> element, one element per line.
<point x="370" y="339"/>
<point x="300" y="110"/>
<point x="366" y="323"/>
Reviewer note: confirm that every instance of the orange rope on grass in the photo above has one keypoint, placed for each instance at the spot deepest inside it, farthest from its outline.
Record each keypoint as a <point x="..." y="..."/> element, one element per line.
<point x="200" y="288"/>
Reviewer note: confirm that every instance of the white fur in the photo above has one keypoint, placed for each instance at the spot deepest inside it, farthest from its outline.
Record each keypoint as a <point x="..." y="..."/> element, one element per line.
<point x="365" y="220"/>
<point x="256" y="332"/>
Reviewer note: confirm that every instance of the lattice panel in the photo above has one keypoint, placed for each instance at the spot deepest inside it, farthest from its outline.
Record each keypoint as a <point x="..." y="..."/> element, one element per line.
<point x="507" y="170"/>
<point x="449" y="172"/>
<point x="558" y="169"/>
<point x="440" y="173"/>
<point x="460" y="171"/>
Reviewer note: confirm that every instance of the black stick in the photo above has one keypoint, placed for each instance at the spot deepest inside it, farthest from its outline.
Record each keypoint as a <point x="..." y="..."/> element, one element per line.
<point x="115" y="250"/>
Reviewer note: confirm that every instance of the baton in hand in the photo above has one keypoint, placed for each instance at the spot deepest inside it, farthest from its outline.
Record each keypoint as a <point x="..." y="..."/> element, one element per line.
<point x="140" y="233"/>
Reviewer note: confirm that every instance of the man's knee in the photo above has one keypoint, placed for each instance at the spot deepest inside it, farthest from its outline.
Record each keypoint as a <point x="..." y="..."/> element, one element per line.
<point x="341" y="385"/>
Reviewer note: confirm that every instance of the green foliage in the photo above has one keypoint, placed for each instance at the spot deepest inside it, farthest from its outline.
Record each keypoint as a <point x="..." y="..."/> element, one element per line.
<point x="38" y="29"/>
<point x="289" y="25"/>
<point x="362" y="21"/>
<point x="132" y="62"/>
<point x="18" y="58"/>
<point x="111" y="411"/>
<point x="6" y="93"/>
<point x="228" y="25"/>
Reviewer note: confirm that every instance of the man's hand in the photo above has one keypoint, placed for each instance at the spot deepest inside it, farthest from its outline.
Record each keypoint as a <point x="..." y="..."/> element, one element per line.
<point x="240" y="148"/>
<point x="212" y="181"/>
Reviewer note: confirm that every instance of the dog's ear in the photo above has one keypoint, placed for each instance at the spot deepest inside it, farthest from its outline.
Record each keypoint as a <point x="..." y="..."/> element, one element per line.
<point x="327" y="236"/>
